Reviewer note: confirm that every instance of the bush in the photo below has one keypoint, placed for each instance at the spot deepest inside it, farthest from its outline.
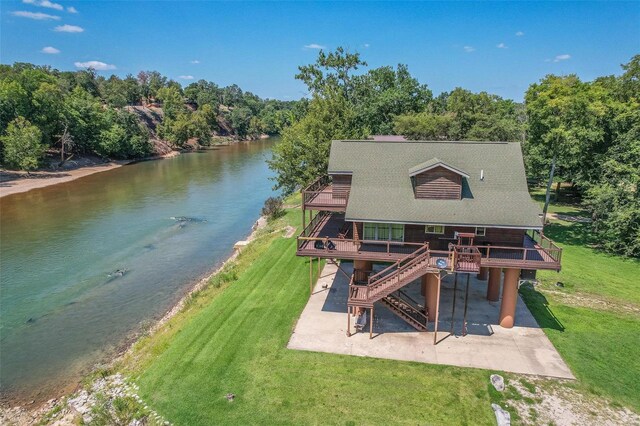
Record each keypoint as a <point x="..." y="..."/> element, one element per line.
<point x="273" y="208"/>
<point x="22" y="147"/>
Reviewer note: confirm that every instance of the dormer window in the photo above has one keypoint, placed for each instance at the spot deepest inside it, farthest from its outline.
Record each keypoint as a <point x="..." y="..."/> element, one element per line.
<point x="437" y="180"/>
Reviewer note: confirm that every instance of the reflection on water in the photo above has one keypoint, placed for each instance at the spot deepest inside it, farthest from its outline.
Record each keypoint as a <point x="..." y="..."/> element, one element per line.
<point x="85" y="263"/>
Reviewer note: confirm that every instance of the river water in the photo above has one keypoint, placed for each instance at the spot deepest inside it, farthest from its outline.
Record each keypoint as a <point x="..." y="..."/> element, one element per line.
<point x="85" y="264"/>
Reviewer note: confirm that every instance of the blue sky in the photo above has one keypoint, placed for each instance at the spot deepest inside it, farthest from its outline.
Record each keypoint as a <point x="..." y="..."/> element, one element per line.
<point x="498" y="47"/>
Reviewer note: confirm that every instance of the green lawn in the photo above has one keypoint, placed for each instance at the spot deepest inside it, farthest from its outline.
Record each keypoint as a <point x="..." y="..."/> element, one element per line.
<point x="594" y="319"/>
<point x="233" y="339"/>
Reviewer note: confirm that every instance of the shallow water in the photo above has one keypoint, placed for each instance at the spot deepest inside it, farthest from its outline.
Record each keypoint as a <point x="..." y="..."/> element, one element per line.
<point x="85" y="264"/>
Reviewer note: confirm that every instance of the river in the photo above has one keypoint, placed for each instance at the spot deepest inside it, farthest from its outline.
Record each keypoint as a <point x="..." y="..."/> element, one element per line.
<point x="85" y="264"/>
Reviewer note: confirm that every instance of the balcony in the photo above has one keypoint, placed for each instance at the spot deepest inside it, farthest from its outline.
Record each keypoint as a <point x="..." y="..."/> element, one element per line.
<point x="329" y="236"/>
<point x="321" y="195"/>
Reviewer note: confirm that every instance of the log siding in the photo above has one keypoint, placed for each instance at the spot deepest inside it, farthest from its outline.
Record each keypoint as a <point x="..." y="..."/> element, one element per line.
<point x="438" y="184"/>
<point x="341" y="186"/>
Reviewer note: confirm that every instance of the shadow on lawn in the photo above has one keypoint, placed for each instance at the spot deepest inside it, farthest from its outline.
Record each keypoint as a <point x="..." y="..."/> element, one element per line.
<point x="575" y="233"/>
<point x="539" y="307"/>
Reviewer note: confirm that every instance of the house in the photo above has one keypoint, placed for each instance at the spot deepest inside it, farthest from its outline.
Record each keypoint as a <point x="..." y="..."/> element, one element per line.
<point x="426" y="209"/>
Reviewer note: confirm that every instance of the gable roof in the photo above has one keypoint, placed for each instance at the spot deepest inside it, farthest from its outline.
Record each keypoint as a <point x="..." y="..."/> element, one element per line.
<point x="432" y="164"/>
<point x="381" y="189"/>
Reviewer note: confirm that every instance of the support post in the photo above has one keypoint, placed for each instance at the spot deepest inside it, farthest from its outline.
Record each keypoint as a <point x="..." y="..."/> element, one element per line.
<point x="453" y="308"/>
<point x="493" y="286"/>
<point x="432" y="282"/>
<point x="509" y="297"/>
<point x="310" y="275"/>
<point x="371" y="324"/>
<point x="482" y="275"/>
<point x="304" y="215"/>
<point x="466" y="305"/>
<point x="348" y="321"/>
<point x="435" y="325"/>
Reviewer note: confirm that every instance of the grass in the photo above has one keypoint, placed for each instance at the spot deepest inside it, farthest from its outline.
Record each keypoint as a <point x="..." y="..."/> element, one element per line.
<point x="594" y="318"/>
<point x="232" y="339"/>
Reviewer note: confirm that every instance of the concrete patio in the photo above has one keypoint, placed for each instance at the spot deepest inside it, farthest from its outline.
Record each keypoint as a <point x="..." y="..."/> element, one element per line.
<point x="522" y="349"/>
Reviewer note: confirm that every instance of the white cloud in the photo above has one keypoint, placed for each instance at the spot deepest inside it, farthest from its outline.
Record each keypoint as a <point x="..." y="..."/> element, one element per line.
<point x="34" y="15"/>
<point x="68" y="29"/>
<point x="72" y="9"/>
<point x="501" y="46"/>
<point x="314" y="46"/>
<point x="519" y="34"/>
<point x="366" y="45"/>
<point x="469" y="49"/>
<point x="195" y="61"/>
<point x="185" y="77"/>
<point x="96" y="65"/>
<point x="559" y="58"/>
<point x="44" y="3"/>
<point x="50" y="50"/>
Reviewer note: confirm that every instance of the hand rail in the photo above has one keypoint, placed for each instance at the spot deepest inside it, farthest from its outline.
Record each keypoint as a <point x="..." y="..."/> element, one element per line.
<point x="317" y="183"/>
<point x="397" y="263"/>
<point x="374" y="284"/>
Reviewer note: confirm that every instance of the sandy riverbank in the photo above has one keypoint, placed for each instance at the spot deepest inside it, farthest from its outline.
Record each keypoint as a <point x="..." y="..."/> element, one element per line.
<point x="17" y="182"/>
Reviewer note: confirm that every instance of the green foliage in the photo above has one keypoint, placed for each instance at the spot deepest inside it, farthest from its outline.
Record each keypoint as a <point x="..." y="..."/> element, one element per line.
<point x="21" y="144"/>
<point x="273" y="208"/>
<point x="302" y="154"/>
<point x="343" y="105"/>
<point x="593" y="130"/>
<point x="124" y="138"/>
<point x="463" y="115"/>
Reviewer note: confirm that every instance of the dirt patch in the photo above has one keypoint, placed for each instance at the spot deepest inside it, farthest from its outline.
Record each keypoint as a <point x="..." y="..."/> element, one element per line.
<point x="593" y="302"/>
<point x="550" y="402"/>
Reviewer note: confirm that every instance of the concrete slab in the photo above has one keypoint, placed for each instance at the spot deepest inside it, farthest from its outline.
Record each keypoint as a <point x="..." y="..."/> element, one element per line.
<point x="525" y="348"/>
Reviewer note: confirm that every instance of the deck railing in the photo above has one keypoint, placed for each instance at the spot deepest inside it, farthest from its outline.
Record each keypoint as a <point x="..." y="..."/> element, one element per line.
<point x="522" y="255"/>
<point x="320" y="193"/>
<point x="343" y="245"/>
<point x="545" y="243"/>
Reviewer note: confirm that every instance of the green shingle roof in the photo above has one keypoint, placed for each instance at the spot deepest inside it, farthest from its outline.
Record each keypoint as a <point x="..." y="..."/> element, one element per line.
<point x="381" y="187"/>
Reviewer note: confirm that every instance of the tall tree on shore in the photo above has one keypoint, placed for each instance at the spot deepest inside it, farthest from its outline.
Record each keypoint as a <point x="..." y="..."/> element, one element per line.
<point x="22" y="145"/>
<point x="343" y="105"/>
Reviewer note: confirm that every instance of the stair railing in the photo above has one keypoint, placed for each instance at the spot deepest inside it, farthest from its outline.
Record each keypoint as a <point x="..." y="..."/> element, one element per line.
<point x="400" y="266"/>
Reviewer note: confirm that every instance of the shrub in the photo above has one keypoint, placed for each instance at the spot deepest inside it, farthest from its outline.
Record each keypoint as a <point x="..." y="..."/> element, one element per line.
<point x="22" y="147"/>
<point x="273" y="208"/>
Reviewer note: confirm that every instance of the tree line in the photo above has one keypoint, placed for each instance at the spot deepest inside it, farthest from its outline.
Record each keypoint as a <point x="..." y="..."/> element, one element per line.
<point x="81" y="112"/>
<point x="587" y="133"/>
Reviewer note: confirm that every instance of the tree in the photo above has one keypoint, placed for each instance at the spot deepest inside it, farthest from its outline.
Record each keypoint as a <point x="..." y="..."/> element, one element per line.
<point x="303" y="153"/>
<point x="331" y="72"/>
<point x="425" y="126"/>
<point x="22" y="146"/>
<point x="172" y="101"/>
<point x="563" y="129"/>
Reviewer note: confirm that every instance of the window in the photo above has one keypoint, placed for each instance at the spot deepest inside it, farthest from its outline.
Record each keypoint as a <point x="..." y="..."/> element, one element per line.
<point x="434" y="229"/>
<point x="481" y="232"/>
<point x="383" y="231"/>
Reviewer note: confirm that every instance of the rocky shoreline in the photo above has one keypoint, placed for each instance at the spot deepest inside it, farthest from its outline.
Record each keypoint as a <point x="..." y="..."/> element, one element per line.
<point x="97" y="398"/>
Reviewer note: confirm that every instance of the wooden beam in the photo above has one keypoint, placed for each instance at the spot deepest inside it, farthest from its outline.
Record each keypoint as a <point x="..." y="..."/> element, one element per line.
<point x="310" y="275"/>
<point x="371" y="324"/>
<point x="435" y="330"/>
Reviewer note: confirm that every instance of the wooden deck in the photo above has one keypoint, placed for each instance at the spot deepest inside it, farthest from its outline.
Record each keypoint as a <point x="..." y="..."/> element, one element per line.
<point x="320" y="239"/>
<point x="324" y="199"/>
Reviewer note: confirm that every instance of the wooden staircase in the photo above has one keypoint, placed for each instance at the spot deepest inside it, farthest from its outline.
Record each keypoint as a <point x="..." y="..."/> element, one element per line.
<point x="390" y="279"/>
<point x="407" y="310"/>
